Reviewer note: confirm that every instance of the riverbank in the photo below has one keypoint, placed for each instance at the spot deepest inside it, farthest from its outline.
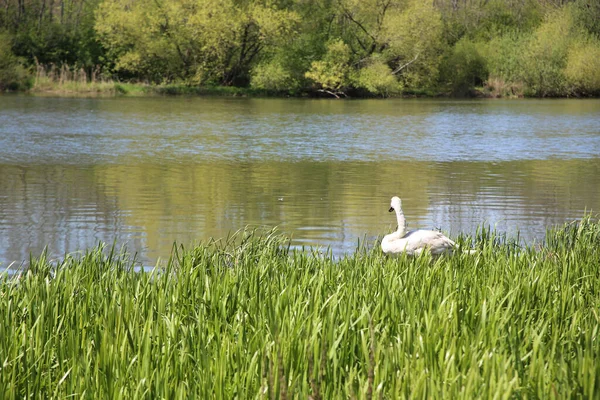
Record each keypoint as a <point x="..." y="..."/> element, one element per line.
<point x="248" y="317"/>
<point x="493" y="89"/>
<point x="66" y="82"/>
<point x="141" y="90"/>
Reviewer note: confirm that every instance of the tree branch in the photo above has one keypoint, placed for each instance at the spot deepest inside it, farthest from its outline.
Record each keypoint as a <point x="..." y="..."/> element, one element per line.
<point x="351" y="18"/>
<point x="334" y="94"/>
<point x="400" y="68"/>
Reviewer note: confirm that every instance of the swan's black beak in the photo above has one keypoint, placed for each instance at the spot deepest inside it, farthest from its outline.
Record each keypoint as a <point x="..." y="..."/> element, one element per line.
<point x="391" y="209"/>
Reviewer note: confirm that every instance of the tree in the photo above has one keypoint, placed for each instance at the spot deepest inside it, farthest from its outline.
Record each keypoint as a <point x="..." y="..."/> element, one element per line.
<point x="465" y="68"/>
<point x="414" y="44"/>
<point x="12" y="74"/>
<point x="332" y="73"/>
<point x="545" y="55"/>
<point x="53" y="31"/>
<point x="377" y="78"/>
<point x="582" y="71"/>
<point x="197" y="41"/>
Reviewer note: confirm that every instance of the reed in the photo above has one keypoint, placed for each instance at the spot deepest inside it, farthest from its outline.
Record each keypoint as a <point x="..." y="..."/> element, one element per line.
<point x="498" y="87"/>
<point x="248" y="317"/>
<point x="65" y="79"/>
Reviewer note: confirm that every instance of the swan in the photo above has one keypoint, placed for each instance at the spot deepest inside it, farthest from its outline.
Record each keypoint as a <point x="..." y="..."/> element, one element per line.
<point x="413" y="242"/>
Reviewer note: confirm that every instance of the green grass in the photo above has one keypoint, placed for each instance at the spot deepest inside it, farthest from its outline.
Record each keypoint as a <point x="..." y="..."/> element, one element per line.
<point x="249" y="318"/>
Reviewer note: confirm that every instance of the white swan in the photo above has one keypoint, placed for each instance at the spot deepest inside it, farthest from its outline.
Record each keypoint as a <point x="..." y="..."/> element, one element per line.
<point x="413" y="242"/>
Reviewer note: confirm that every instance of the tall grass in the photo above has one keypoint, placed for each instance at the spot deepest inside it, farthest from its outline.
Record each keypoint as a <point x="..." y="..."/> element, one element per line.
<point x="498" y="87"/>
<point x="249" y="318"/>
<point x="67" y="79"/>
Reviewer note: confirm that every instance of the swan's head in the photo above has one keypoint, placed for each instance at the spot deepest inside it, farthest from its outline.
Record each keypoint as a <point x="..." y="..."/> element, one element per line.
<point x="396" y="204"/>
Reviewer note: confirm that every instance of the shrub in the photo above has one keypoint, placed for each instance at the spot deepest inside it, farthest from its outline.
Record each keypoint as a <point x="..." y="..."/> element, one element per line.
<point x="583" y="67"/>
<point x="465" y="68"/>
<point x="377" y="78"/>
<point x="503" y="57"/>
<point x="272" y="76"/>
<point x="498" y="87"/>
<point x="13" y="75"/>
<point x="545" y="55"/>
<point x="332" y="71"/>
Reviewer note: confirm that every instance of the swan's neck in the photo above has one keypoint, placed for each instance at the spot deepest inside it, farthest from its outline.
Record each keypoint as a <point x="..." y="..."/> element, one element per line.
<point x="401" y="223"/>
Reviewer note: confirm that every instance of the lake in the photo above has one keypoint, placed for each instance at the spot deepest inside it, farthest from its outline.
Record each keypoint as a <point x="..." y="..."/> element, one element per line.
<point x="148" y="172"/>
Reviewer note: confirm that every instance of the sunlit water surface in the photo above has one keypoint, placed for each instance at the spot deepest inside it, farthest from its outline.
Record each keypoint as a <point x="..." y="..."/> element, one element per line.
<point x="148" y="172"/>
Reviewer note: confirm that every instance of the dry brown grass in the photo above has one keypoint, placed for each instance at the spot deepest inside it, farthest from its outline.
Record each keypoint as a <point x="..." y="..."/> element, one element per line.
<point x="67" y="79"/>
<point x="498" y="87"/>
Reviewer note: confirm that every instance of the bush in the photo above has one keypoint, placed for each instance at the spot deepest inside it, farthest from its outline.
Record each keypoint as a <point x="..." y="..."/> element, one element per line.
<point x="503" y="57"/>
<point x="332" y="71"/>
<point x="545" y="56"/>
<point x="13" y="75"/>
<point x="272" y="76"/>
<point x="465" y="68"/>
<point x="377" y="78"/>
<point x="583" y="67"/>
<point x="587" y="15"/>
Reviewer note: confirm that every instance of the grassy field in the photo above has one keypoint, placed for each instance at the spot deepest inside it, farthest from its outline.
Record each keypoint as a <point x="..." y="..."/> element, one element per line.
<point x="249" y="318"/>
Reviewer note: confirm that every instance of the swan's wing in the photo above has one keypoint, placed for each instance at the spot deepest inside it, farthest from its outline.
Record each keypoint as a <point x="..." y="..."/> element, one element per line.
<point x="415" y="242"/>
<point x="435" y="241"/>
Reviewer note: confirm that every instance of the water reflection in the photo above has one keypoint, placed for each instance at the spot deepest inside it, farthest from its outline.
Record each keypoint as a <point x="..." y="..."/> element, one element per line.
<point x="148" y="206"/>
<point x="148" y="172"/>
<point x="92" y="131"/>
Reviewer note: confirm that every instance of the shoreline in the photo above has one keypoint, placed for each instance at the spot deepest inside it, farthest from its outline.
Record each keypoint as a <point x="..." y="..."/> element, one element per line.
<point x="114" y="89"/>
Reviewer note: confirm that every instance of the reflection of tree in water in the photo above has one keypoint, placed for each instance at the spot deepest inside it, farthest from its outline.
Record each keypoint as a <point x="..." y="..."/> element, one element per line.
<point x="529" y="196"/>
<point x="149" y="206"/>
<point x="59" y="206"/>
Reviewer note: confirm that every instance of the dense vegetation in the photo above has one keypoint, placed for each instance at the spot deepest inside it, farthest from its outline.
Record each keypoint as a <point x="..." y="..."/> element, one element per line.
<point x="256" y="320"/>
<point x="339" y="47"/>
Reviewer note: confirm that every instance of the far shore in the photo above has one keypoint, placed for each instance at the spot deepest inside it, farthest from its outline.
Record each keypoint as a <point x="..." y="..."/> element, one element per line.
<point x="111" y="88"/>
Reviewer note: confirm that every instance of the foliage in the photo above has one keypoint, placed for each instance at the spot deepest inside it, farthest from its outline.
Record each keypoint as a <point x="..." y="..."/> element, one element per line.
<point x="484" y="21"/>
<point x="12" y="73"/>
<point x="503" y="57"/>
<point x="377" y="47"/>
<point x="545" y="56"/>
<point x="465" y="68"/>
<point x="414" y="43"/>
<point x="587" y="15"/>
<point x="247" y="317"/>
<point x="60" y="31"/>
<point x="332" y="73"/>
<point x="377" y="78"/>
<point x="200" y="41"/>
<point x="276" y="74"/>
<point x="583" y="67"/>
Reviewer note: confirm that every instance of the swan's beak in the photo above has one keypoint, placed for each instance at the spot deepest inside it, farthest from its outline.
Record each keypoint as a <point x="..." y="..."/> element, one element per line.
<point x="391" y="209"/>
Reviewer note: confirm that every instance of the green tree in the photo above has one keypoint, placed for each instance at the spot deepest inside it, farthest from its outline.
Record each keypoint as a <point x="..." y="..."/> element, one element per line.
<point x="196" y="41"/>
<point x="273" y="75"/>
<point x="545" y="54"/>
<point x="332" y="73"/>
<point x="53" y="31"/>
<point x="587" y="15"/>
<point x="377" y="78"/>
<point x="582" y="71"/>
<point x="399" y="39"/>
<point x="465" y="68"/>
<point x="414" y="44"/>
<point x="13" y="75"/>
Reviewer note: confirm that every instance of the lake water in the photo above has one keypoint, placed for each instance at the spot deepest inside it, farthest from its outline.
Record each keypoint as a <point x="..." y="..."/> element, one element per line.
<point x="147" y="172"/>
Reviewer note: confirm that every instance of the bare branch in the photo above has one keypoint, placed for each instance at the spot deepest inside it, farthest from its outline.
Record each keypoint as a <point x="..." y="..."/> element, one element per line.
<point x="400" y="68"/>
<point x="348" y="14"/>
<point x="334" y="94"/>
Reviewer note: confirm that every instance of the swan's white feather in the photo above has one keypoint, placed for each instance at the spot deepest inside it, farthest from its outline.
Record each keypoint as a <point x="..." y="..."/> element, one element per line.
<point x="414" y="242"/>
